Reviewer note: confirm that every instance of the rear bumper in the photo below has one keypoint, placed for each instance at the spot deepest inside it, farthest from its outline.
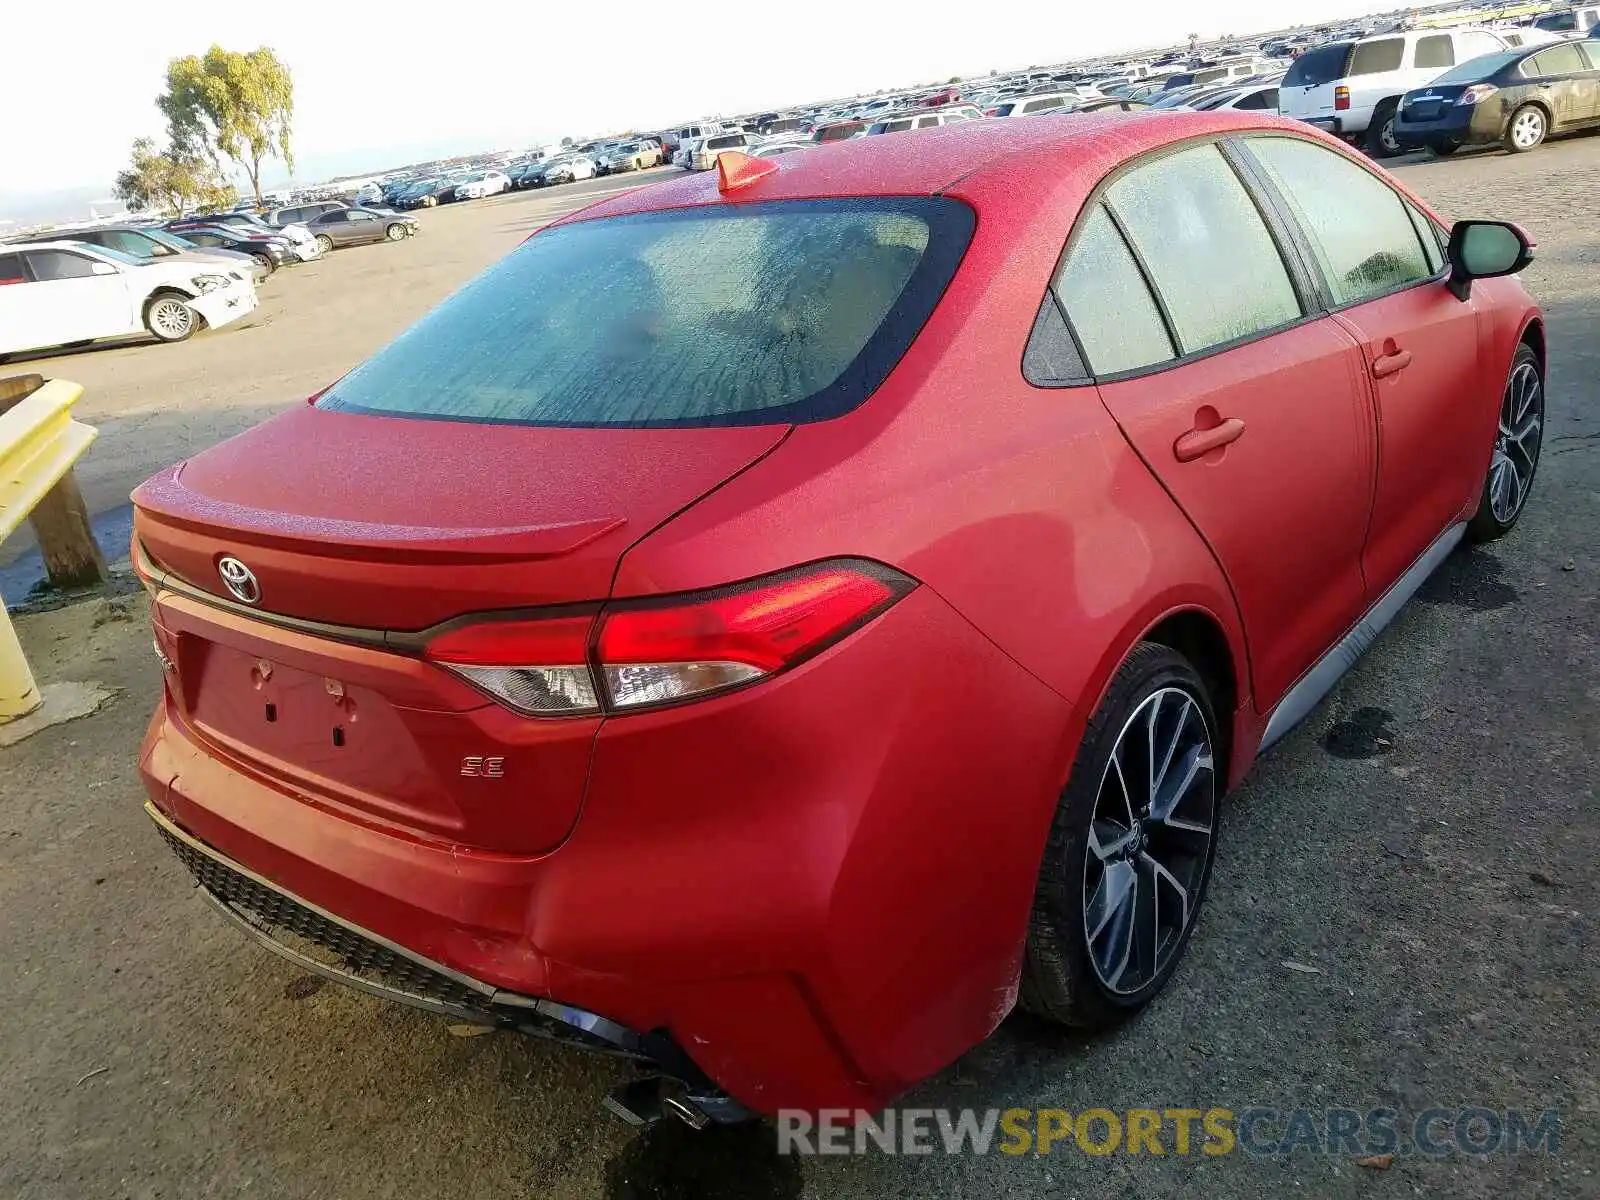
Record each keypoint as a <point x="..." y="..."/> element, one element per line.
<point x="817" y="887"/>
<point x="1467" y="125"/>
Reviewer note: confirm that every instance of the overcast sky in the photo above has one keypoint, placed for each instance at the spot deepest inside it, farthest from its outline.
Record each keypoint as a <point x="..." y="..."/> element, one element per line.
<point x="377" y="82"/>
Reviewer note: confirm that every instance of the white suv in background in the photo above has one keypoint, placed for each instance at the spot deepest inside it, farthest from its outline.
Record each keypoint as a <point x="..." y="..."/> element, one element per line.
<point x="1353" y="89"/>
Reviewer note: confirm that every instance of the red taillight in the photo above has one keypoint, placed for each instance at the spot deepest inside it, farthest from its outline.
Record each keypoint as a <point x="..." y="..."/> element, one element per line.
<point x="650" y="652"/>
<point x="1341" y="98"/>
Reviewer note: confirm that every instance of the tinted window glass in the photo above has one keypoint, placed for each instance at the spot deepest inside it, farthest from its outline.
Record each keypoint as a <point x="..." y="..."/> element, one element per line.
<point x="1436" y="51"/>
<point x="1369" y="58"/>
<point x="756" y="313"/>
<point x="1479" y="68"/>
<point x="128" y="242"/>
<point x="1558" y="60"/>
<point x="927" y="122"/>
<point x="1208" y="250"/>
<point x="11" y="269"/>
<point x="1041" y="105"/>
<point x="1106" y="298"/>
<point x="1051" y="358"/>
<point x="59" y="264"/>
<point x="1359" y="229"/>
<point x="1319" y="66"/>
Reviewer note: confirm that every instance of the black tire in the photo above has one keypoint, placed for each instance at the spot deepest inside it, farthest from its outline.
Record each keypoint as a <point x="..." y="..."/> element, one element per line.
<point x="1443" y="148"/>
<point x="1530" y="117"/>
<point x="326" y="242"/>
<point x="396" y="232"/>
<point x="1061" y="978"/>
<point x="162" y="320"/>
<point x="265" y="262"/>
<point x="1380" y="140"/>
<point x="1495" y="518"/>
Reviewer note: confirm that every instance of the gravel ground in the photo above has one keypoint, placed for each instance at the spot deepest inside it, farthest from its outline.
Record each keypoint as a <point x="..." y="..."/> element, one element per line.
<point x="1423" y="850"/>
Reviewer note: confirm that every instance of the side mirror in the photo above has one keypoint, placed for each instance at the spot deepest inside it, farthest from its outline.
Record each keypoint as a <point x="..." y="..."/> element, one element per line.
<point x="103" y="268"/>
<point x="1486" y="250"/>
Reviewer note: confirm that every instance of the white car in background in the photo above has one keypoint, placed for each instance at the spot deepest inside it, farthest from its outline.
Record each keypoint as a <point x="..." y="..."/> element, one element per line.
<point x="706" y="150"/>
<point x="483" y="183"/>
<point x="569" y="168"/>
<point x="64" y="293"/>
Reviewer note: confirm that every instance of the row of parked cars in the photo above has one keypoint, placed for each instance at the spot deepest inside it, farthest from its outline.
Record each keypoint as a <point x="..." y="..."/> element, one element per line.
<point x="70" y="287"/>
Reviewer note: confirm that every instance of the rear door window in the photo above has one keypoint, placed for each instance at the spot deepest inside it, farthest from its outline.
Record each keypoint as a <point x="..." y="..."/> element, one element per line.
<point x="1360" y="230"/>
<point x="1108" y="302"/>
<point x="11" y="269"/>
<point x="757" y="313"/>
<point x="1436" y="51"/>
<point x="1209" y="254"/>
<point x="1374" y="58"/>
<point x="1555" y="62"/>
<point x="50" y="265"/>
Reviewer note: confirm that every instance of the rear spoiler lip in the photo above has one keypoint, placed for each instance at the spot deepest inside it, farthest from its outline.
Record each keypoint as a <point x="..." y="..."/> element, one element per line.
<point x="164" y="499"/>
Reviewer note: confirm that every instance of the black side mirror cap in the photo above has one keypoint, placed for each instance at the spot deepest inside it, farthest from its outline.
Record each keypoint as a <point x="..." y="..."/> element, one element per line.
<point x="1486" y="250"/>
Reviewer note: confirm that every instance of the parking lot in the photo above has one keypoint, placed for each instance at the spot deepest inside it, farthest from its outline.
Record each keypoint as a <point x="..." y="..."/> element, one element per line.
<point x="1403" y="912"/>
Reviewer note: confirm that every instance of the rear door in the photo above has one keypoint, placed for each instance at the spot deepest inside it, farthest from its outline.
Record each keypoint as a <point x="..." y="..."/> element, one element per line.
<point x="1243" y="399"/>
<point x="1383" y="271"/>
<point x="73" y="303"/>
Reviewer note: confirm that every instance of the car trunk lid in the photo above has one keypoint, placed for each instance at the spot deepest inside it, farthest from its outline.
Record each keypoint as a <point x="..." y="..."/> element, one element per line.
<point x="399" y="523"/>
<point x="360" y="530"/>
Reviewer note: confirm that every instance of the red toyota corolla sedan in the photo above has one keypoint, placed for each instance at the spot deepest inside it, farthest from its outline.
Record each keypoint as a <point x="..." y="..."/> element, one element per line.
<point x="774" y="622"/>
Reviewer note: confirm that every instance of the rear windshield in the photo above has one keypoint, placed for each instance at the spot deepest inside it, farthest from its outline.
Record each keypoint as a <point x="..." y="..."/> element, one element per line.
<point x="762" y="313"/>
<point x="1317" y="67"/>
<point x="1478" y="68"/>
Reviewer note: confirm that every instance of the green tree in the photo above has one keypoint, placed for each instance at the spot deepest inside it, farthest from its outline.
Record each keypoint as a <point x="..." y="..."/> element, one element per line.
<point x="171" y="181"/>
<point x="230" y="104"/>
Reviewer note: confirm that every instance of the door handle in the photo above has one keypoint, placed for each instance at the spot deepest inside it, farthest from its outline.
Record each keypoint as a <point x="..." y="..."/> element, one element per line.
<point x="1391" y="360"/>
<point x="1197" y="443"/>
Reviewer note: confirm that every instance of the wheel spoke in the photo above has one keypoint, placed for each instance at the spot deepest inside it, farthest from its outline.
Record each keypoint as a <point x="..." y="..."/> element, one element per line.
<point x="1168" y="882"/>
<point x="1122" y="787"/>
<point x="1146" y="919"/>
<point x="1195" y="763"/>
<point x="1180" y="837"/>
<point x="1109" y="898"/>
<point x="1119" y="935"/>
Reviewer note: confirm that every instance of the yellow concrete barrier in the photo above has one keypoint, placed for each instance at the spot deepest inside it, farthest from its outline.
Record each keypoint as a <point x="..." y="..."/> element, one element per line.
<point x="39" y="442"/>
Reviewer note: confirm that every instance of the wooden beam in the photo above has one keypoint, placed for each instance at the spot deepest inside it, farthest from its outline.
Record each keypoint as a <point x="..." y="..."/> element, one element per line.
<point x="72" y="557"/>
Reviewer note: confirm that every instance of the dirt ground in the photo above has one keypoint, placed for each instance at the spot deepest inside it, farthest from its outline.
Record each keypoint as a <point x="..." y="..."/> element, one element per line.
<point x="1424" y="851"/>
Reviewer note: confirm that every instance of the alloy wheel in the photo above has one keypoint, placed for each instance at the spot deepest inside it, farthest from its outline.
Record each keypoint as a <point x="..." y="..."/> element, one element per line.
<point x="1516" y="446"/>
<point x="1149" y="841"/>
<point x="1527" y="131"/>
<point x="171" y="318"/>
<point x="1386" y="135"/>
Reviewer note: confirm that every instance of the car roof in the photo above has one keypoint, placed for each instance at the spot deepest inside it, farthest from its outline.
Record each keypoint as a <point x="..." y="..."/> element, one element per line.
<point x="1010" y="161"/>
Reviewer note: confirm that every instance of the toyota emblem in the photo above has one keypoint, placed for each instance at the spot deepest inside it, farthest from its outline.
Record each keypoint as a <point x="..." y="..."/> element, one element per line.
<point x="239" y="579"/>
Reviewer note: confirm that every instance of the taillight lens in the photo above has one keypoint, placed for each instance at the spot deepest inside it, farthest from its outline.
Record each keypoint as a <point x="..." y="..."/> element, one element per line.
<point x="1341" y="98"/>
<point x="661" y="651"/>
<point x="1475" y="93"/>
<point x="687" y="646"/>
<point x="539" y="667"/>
